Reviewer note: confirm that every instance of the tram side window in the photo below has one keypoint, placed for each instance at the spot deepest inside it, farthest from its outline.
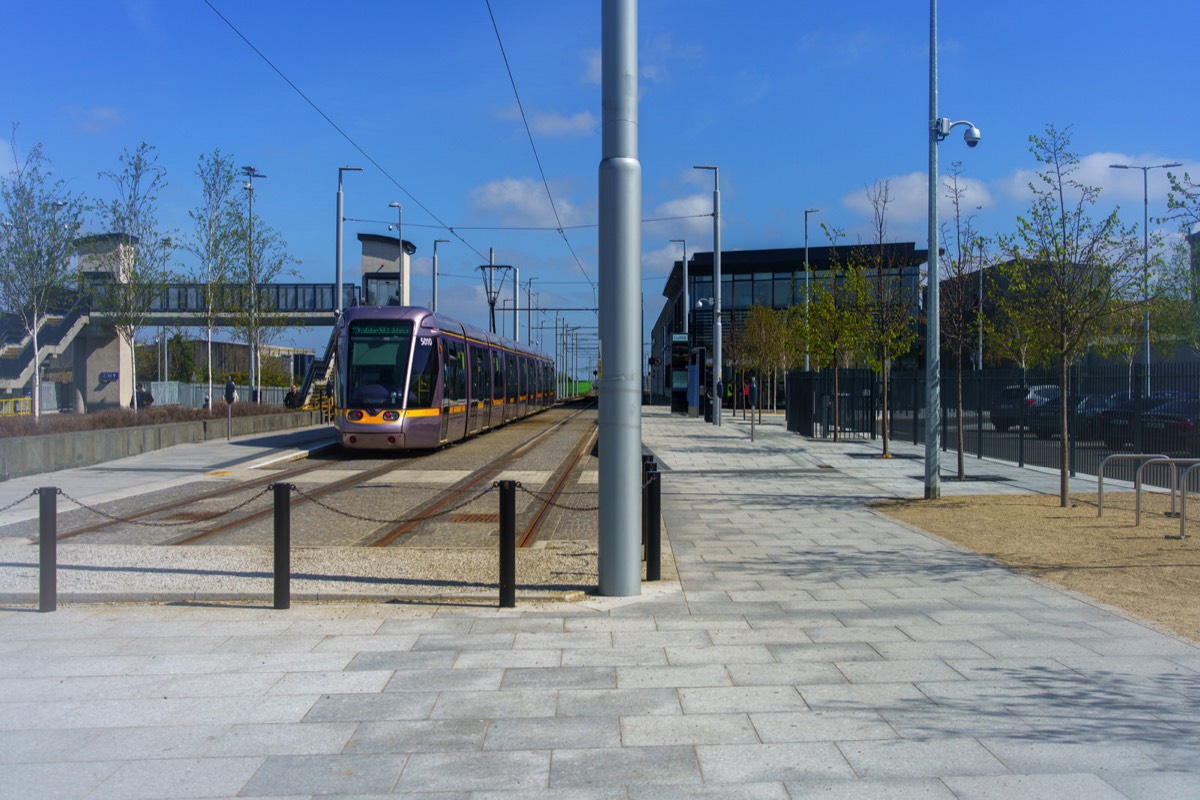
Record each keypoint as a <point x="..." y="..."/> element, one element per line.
<point x="479" y="374"/>
<point x="510" y="373"/>
<point x="425" y="373"/>
<point x="455" y="384"/>
<point x="497" y="377"/>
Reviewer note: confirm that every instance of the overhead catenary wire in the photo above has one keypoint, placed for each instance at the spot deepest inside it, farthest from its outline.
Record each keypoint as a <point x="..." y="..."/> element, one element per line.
<point x="342" y="133"/>
<point x="533" y="146"/>
<point x="524" y="228"/>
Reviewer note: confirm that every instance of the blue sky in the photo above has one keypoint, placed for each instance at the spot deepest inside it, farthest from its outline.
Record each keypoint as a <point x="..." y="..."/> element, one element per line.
<point x="800" y="104"/>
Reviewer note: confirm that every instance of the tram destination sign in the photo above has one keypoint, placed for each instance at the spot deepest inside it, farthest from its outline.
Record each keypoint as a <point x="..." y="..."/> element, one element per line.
<point x="381" y="330"/>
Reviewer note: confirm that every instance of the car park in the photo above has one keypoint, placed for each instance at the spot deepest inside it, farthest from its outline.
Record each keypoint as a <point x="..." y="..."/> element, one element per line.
<point x="1173" y="428"/>
<point x="1119" y="422"/>
<point x="1014" y="403"/>
<point x="1045" y="422"/>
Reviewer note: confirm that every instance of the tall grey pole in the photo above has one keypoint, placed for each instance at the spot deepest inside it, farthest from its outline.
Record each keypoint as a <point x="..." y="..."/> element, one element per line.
<point x="529" y="311"/>
<point x="516" y="303"/>
<point x="716" y="379"/>
<point x="338" y="300"/>
<point x="933" y="364"/>
<point x="807" y="285"/>
<point x="1146" y="254"/>
<point x="400" y="240"/>
<point x="687" y="309"/>
<point x="251" y="173"/>
<point x="619" y="560"/>
<point x="435" y="273"/>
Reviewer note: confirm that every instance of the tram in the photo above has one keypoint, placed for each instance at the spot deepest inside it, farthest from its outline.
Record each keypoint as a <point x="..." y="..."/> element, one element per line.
<point x="410" y="379"/>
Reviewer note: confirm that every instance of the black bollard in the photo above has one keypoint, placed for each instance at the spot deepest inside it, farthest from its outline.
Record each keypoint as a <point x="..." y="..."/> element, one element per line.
<point x="654" y="535"/>
<point x="647" y="465"/>
<point x="283" y="545"/>
<point x="508" y="544"/>
<point x="47" y="548"/>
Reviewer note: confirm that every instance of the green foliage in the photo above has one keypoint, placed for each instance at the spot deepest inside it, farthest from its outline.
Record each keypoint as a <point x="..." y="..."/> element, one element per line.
<point x="140" y="263"/>
<point x="39" y="223"/>
<point x="1070" y="274"/>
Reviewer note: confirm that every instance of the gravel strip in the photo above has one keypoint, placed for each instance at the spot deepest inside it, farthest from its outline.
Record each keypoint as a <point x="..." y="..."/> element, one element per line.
<point x="108" y="573"/>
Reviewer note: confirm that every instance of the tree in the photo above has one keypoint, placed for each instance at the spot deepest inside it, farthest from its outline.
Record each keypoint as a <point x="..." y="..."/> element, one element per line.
<point x="265" y="259"/>
<point x="890" y="324"/>
<point x="215" y="240"/>
<point x="1068" y="270"/>
<point x="837" y="311"/>
<point x="766" y="343"/>
<point x="139" y="265"/>
<point x="959" y="296"/>
<point x="38" y="229"/>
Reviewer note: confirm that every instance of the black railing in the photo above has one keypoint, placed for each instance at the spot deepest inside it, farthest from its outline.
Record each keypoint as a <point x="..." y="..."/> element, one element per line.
<point x="1015" y="415"/>
<point x="190" y="298"/>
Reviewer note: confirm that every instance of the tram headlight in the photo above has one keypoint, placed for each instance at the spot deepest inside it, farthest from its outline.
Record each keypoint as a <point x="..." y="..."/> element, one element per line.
<point x="354" y="414"/>
<point x="391" y="416"/>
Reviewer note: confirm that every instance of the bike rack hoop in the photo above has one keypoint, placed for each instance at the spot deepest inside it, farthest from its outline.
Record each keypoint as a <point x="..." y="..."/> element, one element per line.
<point x="1100" y="479"/>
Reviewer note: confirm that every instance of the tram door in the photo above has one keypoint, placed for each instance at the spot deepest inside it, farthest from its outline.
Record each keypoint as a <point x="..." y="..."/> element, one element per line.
<point x="481" y="392"/>
<point x="444" y="356"/>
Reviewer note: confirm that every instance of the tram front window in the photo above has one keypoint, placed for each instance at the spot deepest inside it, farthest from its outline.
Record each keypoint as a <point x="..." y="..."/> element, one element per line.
<point x="378" y="363"/>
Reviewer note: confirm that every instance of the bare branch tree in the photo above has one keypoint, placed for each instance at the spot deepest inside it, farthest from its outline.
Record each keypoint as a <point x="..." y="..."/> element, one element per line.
<point x="40" y="223"/>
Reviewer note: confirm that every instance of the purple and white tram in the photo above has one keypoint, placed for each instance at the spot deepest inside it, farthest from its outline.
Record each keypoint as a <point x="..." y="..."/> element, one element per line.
<point x="410" y="379"/>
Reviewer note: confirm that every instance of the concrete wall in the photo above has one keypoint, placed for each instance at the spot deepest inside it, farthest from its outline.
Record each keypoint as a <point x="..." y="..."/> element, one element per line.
<point x="32" y="455"/>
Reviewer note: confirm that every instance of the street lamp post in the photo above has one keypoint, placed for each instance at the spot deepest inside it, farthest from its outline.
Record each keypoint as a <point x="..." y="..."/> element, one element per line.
<point x="338" y="300"/>
<point x="400" y="242"/>
<point x="687" y="309"/>
<point x="807" y="284"/>
<point x="251" y="173"/>
<point x="1145" y="254"/>
<point x="435" y="272"/>
<point x="529" y="311"/>
<point x="939" y="129"/>
<point x="716" y="382"/>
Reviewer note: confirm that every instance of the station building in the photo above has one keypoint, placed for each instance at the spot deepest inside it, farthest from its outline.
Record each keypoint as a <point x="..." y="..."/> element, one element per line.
<point x="772" y="278"/>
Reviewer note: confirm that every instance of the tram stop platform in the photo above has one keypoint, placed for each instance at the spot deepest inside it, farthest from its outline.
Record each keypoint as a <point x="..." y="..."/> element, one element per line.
<point x="810" y="647"/>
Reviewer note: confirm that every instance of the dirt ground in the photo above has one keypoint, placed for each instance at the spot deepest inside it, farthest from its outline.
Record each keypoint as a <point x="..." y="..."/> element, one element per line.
<point x="1136" y="569"/>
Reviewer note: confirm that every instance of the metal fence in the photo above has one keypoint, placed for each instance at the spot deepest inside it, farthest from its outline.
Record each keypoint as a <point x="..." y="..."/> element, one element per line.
<point x="1027" y="432"/>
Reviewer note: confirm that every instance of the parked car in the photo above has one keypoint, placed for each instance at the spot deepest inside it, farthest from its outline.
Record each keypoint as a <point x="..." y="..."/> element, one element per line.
<point x="1005" y="411"/>
<point x="1044" y="419"/>
<point x="1173" y="427"/>
<point x="1117" y="422"/>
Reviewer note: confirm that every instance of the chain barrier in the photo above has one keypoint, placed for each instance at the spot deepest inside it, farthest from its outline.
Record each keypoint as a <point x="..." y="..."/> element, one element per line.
<point x="178" y="524"/>
<point x="402" y="521"/>
<point x="553" y="504"/>
<point x="18" y="501"/>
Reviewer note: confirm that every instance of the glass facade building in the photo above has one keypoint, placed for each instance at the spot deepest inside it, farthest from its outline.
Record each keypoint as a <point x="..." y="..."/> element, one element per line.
<point x="771" y="278"/>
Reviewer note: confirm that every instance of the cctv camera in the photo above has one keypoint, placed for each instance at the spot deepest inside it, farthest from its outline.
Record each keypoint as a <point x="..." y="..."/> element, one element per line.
<point x="972" y="136"/>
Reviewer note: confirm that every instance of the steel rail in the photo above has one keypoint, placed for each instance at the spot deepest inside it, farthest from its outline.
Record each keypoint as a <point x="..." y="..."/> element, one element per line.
<point x="530" y="535"/>
<point x="163" y="508"/>
<point x="403" y="532"/>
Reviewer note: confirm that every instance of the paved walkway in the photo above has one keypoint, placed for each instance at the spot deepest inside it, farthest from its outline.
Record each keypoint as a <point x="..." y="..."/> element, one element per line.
<point x="163" y="469"/>
<point x="811" y="648"/>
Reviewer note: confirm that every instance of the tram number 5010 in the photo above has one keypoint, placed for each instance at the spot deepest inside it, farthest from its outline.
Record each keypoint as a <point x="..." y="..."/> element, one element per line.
<point x="426" y="341"/>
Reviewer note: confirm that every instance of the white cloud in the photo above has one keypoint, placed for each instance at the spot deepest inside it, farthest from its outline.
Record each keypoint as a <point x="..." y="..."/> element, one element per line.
<point x="910" y="198"/>
<point x="591" y="66"/>
<point x="522" y="201"/>
<point x="95" y="120"/>
<point x="690" y="216"/>
<point x="1117" y="186"/>
<point x="580" y="124"/>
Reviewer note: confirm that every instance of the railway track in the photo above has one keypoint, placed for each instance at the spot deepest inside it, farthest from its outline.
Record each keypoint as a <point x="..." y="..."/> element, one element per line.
<point x="407" y="530"/>
<point x="245" y="526"/>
